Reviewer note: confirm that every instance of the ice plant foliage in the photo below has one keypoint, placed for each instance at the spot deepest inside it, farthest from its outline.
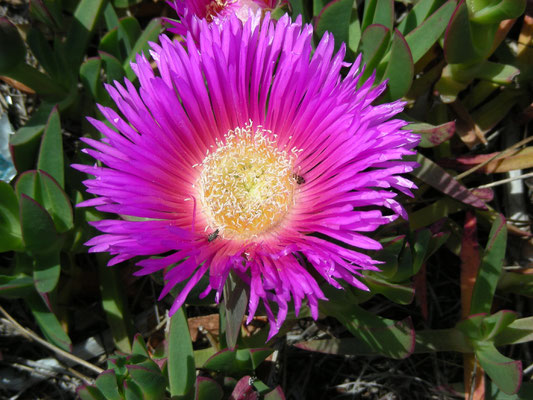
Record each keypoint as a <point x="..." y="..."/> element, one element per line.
<point x="248" y="151"/>
<point x="190" y="11"/>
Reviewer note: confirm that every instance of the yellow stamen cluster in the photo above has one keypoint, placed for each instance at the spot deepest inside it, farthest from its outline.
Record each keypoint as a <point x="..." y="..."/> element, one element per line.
<point x="215" y="7"/>
<point x="247" y="185"/>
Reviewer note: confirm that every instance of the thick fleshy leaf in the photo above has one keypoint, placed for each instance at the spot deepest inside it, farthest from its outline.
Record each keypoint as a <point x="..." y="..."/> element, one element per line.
<point x="120" y="40"/>
<point x="150" y="380"/>
<point x="521" y="284"/>
<point x="518" y="331"/>
<point x="374" y="44"/>
<point x="112" y="66"/>
<point x="90" y="393"/>
<point x="48" y="12"/>
<point x="398" y="68"/>
<point x="125" y="3"/>
<point x="46" y="191"/>
<point x="433" y="175"/>
<point x="503" y="371"/>
<point x="297" y="7"/>
<point x="90" y="76"/>
<point x="494" y="111"/>
<point x="24" y="144"/>
<point x="237" y="361"/>
<point x="502" y="74"/>
<point x="235" y="303"/>
<point x="115" y="306"/>
<point x="139" y="346"/>
<point x="109" y="43"/>
<point x="207" y="389"/>
<point x="496" y="323"/>
<point x="432" y="135"/>
<point x="465" y="42"/>
<point x="132" y="391"/>
<point x="418" y="14"/>
<point x="10" y="232"/>
<point x="181" y="368"/>
<point x="46" y="56"/>
<point x="48" y="322"/>
<point x="86" y="17"/>
<point x="16" y="286"/>
<point x="106" y="382"/>
<point x="494" y="12"/>
<point x="519" y="159"/>
<point x="51" y="151"/>
<point x="397" y="341"/>
<point x="354" y="31"/>
<point x="426" y="34"/>
<point x="47" y="268"/>
<point x="378" y="12"/>
<point x="398" y="293"/>
<point x="12" y="48"/>
<point x="335" y="18"/>
<point x="38" y="231"/>
<point x="394" y="339"/>
<point x="491" y="267"/>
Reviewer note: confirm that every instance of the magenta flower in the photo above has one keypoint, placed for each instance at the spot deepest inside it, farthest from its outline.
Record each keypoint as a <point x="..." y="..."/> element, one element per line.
<point x="191" y="11"/>
<point x="249" y="152"/>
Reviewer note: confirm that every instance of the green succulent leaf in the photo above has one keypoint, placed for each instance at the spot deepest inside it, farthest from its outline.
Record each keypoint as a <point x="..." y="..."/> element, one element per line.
<point x="48" y="322"/>
<point x="139" y="346"/>
<point x="90" y="393"/>
<point x="235" y="303"/>
<point x="181" y="368"/>
<point x="394" y="339"/>
<point x="335" y="18"/>
<point x="378" y="12"/>
<point x="207" y="389"/>
<point x="47" y="11"/>
<point x="238" y="362"/>
<point x="86" y="17"/>
<point x="90" y="74"/>
<point x="132" y="391"/>
<point x="398" y="68"/>
<point x="45" y="54"/>
<point x="16" y="286"/>
<point x="496" y="323"/>
<point x="38" y="231"/>
<point x="12" y="48"/>
<point x="433" y="135"/>
<point x="24" y="144"/>
<point x="491" y="268"/>
<point x="115" y="306"/>
<point x="493" y="12"/>
<point x="125" y="3"/>
<point x="503" y="371"/>
<point x="150" y="380"/>
<point x="47" y="268"/>
<point x="51" y="153"/>
<point x="107" y="384"/>
<point x="10" y="231"/>
<point x="426" y="33"/>
<point x="41" y="187"/>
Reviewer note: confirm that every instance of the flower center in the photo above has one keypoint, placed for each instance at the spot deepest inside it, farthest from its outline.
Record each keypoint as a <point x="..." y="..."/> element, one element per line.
<point x="215" y="7"/>
<point x="246" y="186"/>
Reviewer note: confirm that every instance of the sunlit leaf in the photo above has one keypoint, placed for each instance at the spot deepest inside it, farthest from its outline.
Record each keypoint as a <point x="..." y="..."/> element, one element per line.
<point x="491" y="267"/>
<point x="181" y="368"/>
